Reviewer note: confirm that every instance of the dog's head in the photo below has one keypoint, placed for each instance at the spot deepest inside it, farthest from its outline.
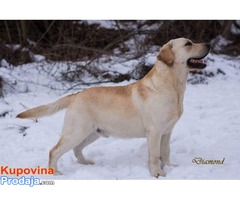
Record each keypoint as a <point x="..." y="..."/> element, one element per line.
<point x="184" y="52"/>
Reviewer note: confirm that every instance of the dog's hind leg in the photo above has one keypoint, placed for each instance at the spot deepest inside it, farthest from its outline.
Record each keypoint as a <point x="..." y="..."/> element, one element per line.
<point x="78" y="149"/>
<point x="65" y="144"/>
<point x="74" y="132"/>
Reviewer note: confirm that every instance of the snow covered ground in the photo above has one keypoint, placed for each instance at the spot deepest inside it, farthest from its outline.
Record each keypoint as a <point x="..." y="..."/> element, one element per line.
<point x="209" y="128"/>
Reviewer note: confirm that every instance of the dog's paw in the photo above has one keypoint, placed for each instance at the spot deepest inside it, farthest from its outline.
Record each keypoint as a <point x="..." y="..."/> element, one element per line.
<point x="157" y="171"/>
<point x="86" y="162"/>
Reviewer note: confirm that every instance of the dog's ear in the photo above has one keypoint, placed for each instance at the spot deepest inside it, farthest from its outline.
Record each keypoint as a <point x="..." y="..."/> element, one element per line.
<point x="165" y="55"/>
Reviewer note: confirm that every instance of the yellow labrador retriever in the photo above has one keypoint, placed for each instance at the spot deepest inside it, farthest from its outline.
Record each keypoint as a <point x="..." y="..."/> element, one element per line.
<point x="147" y="108"/>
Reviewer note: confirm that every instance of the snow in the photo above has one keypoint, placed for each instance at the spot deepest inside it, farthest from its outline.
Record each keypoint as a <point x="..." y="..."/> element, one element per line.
<point x="109" y="24"/>
<point x="209" y="127"/>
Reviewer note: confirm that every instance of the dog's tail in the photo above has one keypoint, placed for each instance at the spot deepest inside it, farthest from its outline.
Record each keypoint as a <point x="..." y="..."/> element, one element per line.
<point x="48" y="109"/>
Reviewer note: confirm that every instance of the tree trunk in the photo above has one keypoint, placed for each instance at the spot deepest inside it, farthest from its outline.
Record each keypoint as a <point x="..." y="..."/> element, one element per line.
<point x="23" y="25"/>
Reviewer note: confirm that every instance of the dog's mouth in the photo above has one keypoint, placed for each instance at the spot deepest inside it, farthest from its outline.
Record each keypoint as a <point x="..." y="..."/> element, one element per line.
<point x="197" y="63"/>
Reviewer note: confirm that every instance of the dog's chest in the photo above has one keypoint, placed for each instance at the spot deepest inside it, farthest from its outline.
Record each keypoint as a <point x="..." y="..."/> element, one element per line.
<point x="167" y="111"/>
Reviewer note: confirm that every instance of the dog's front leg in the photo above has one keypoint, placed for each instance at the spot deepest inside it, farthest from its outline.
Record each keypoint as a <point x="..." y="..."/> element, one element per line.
<point x="165" y="150"/>
<point x="154" y="142"/>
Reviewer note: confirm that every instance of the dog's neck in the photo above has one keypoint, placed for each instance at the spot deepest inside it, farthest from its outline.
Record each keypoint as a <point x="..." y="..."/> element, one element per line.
<point x="162" y="75"/>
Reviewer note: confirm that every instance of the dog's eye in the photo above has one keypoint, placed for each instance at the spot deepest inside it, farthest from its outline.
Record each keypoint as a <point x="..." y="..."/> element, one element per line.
<point x="188" y="44"/>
